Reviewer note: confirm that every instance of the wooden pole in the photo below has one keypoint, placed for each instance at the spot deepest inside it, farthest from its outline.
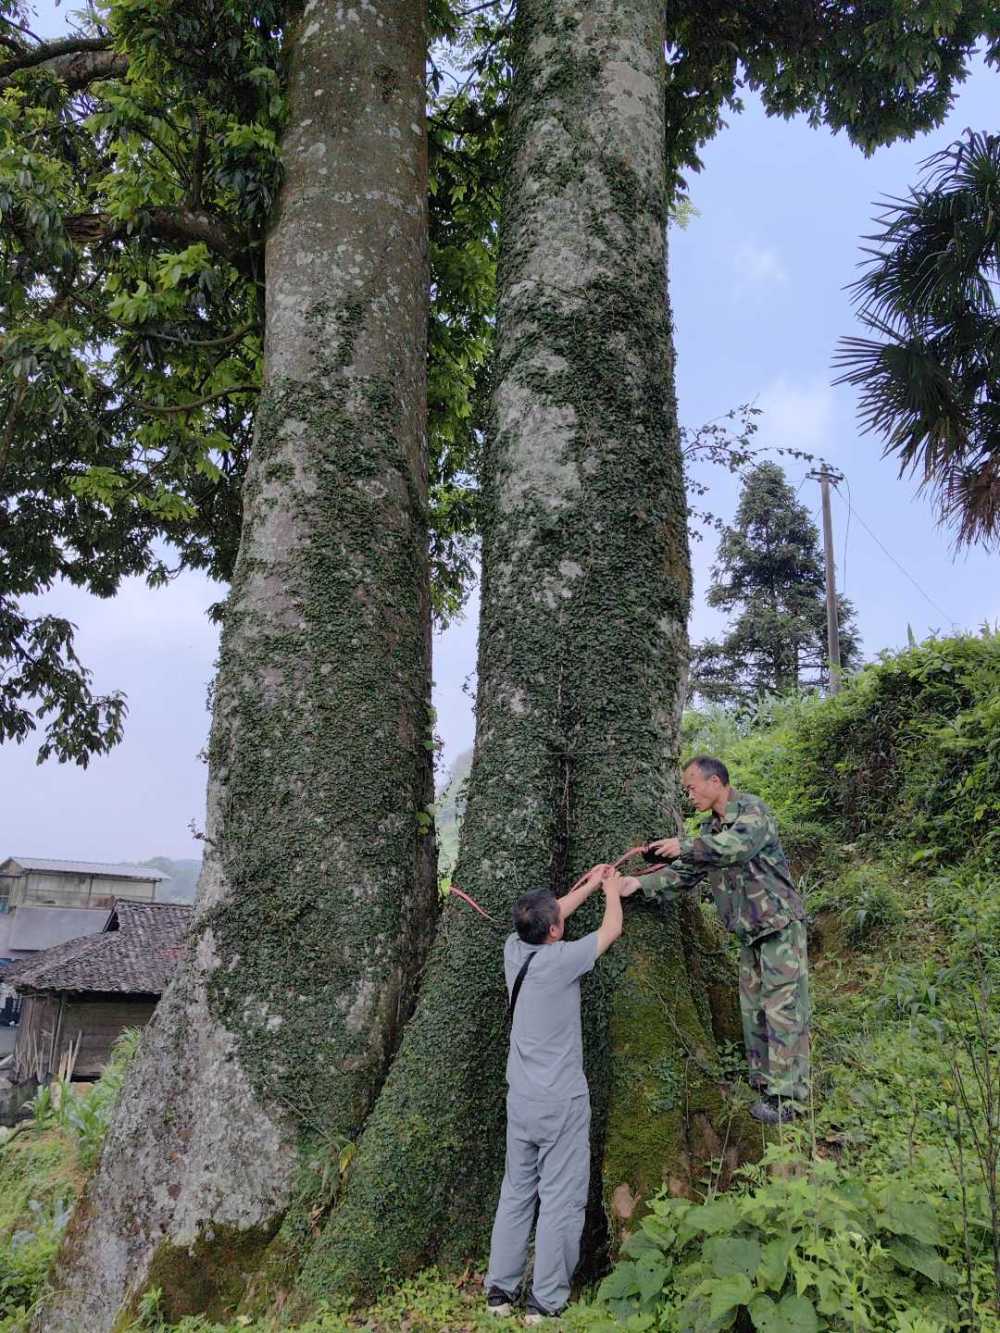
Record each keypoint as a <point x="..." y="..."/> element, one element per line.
<point x="832" y="627"/>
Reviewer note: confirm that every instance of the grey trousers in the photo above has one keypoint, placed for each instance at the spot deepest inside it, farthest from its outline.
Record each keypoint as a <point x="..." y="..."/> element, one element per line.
<point x="548" y="1161"/>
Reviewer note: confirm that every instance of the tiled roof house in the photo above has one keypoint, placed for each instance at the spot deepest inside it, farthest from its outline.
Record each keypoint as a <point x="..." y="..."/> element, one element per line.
<point x="81" y="994"/>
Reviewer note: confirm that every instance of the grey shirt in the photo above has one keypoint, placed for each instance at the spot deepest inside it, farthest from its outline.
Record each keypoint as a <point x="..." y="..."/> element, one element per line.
<point x="545" y="1061"/>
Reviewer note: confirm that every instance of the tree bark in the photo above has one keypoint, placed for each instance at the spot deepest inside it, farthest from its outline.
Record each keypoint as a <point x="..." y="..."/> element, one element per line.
<point x="582" y="657"/>
<point x="317" y="900"/>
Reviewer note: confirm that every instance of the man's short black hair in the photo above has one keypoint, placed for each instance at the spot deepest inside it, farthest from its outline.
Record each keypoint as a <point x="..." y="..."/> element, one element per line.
<point x="534" y="913"/>
<point x="709" y="767"/>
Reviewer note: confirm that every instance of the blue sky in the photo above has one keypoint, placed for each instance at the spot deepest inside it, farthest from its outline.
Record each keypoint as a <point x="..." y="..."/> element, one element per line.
<point x="757" y="280"/>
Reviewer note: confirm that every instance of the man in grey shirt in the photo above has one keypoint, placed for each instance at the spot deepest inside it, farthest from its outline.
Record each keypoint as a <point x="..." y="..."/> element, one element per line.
<point x="548" y="1103"/>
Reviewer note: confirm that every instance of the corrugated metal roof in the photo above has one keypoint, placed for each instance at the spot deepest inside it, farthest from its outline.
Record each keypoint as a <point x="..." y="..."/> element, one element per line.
<point x="136" y="954"/>
<point x="45" y="927"/>
<point x="99" y="868"/>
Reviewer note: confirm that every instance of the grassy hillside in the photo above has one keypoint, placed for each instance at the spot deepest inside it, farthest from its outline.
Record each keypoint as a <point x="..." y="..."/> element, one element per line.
<point x="882" y="1210"/>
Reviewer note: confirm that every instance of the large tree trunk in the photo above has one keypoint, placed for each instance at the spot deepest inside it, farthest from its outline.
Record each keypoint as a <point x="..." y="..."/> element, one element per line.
<point x="318" y="898"/>
<point x="582" y="655"/>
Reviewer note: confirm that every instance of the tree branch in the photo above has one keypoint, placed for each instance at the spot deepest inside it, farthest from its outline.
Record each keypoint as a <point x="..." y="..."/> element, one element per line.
<point x="189" y="226"/>
<point x="77" y="61"/>
<point x="8" y="429"/>
<point x="198" y="402"/>
<point x="225" y="341"/>
<point x="183" y="226"/>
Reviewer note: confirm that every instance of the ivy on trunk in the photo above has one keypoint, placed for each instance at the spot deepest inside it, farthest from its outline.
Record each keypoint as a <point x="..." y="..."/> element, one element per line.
<point x="318" y="897"/>
<point x="582" y="653"/>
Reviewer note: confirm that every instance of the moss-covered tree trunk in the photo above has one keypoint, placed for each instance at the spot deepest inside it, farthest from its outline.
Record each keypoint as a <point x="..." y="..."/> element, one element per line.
<point x="582" y="652"/>
<point x="318" y="899"/>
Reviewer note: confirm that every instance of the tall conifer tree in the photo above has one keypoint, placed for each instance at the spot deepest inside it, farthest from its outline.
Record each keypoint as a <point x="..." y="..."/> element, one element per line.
<point x="769" y="575"/>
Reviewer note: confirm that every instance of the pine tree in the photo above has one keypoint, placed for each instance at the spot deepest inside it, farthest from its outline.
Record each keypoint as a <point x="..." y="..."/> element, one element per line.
<point x="769" y="575"/>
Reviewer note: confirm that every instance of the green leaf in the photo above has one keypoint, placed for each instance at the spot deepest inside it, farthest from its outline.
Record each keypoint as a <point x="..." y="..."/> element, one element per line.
<point x="659" y="1231"/>
<point x="728" y="1293"/>
<point x="619" y="1283"/>
<point x="764" y="1313"/>
<point x="774" y="1263"/>
<point x="695" y="1316"/>
<point x="719" y="1215"/>
<point x="830" y="1288"/>
<point x="651" y="1277"/>
<point x="907" y="1218"/>
<point x="732" y="1254"/>
<point x="794" y="1314"/>
<point x="798" y="1314"/>
<point x="640" y="1245"/>
<point x="923" y="1259"/>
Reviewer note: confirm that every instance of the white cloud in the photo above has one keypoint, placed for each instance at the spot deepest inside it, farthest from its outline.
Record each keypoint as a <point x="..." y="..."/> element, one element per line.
<point x="798" y="415"/>
<point x="759" y="265"/>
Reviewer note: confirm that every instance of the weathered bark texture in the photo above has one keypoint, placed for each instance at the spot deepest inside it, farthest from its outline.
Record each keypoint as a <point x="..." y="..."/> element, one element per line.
<point x="318" y="897"/>
<point x="581" y="656"/>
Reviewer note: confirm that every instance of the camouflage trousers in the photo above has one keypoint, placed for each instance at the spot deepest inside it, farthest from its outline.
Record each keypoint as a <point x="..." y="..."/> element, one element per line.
<point x="774" y="1002"/>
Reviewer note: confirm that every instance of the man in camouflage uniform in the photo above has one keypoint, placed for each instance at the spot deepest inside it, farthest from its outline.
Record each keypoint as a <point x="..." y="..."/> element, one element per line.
<point x="738" y="851"/>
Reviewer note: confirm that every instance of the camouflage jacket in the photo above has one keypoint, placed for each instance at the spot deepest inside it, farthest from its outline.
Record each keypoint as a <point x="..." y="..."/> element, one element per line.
<point x="746" y="868"/>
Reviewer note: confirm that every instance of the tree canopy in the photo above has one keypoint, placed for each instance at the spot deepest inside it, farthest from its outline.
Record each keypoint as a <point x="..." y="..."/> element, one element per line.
<point x="138" y="169"/>
<point x="930" y="378"/>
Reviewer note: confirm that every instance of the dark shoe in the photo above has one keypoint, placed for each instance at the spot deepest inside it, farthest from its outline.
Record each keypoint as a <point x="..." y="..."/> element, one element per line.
<point x="534" y="1314"/>
<point x="774" y="1111"/>
<point x="498" y="1303"/>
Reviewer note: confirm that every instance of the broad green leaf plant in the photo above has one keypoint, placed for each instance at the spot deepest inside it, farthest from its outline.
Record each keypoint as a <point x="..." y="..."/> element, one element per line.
<point x="803" y="1246"/>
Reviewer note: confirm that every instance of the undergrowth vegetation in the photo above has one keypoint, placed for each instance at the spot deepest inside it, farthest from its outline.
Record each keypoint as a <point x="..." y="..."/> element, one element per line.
<point x="43" y="1163"/>
<point x="881" y="1210"/>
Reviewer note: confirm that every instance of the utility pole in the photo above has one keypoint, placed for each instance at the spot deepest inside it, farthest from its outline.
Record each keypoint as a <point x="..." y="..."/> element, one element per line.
<point x="825" y="476"/>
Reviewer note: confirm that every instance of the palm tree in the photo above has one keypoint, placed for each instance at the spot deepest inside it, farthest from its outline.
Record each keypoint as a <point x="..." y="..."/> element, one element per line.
<point x="930" y="382"/>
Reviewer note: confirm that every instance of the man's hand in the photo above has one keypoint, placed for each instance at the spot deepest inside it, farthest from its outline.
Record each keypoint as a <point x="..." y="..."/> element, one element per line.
<point x="669" y="848"/>
<point x="611" y="927"/>
<point x="591" y="880"/>
<point x="594" y="875"/>
<point x="623" y="885"/>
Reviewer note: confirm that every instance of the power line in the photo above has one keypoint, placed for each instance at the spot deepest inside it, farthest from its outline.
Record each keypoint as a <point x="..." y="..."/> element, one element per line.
<point x="926" y="596"/>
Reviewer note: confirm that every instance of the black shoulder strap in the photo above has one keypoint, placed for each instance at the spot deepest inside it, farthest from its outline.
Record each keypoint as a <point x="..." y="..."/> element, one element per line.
<point x="515" y="990"/>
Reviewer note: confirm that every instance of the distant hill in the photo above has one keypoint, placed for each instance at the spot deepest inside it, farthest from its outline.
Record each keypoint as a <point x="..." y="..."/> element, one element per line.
<point x="448" y="812"/>
<point x="183" y="879"/>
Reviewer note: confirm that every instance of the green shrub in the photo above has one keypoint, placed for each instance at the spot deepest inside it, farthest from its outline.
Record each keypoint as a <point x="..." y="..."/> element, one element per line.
<point x="806" y="1247"/>
<point x="37" y="1187"/>
<point x="39" y="1178"/>
<point x="866" y="900"/>
<point x="25" y="1258"/>
<point x="910" y="750"/>
<point x="86" y="1116"/>
<point x="875" y="913"/>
